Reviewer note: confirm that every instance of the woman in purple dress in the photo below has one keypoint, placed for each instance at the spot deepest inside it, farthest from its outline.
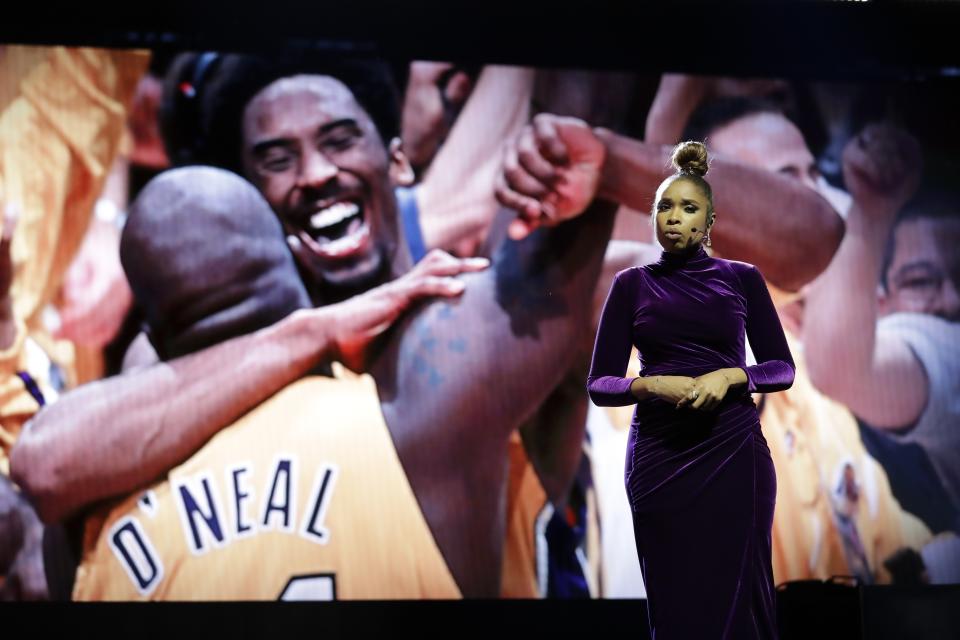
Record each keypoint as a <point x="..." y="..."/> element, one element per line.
<point x="699" y="476"/>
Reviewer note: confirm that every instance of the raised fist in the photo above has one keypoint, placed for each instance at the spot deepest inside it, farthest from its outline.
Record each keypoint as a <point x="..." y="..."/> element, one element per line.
<point x="551" y="172"/>
<point x="882" y="166"/>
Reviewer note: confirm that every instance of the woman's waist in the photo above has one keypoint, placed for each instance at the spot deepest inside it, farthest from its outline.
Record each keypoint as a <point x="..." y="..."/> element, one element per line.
<point x="691" y="370"/>
<point x="654" y="411"/>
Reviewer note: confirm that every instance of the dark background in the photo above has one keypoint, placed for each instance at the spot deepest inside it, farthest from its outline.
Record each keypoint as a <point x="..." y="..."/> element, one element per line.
<point x="815" y="39"/>
<point x="888" y="44"/>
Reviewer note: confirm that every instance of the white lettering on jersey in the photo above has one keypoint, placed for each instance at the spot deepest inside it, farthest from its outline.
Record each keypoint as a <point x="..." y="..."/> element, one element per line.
<point x="240" y="495"/>
<point x="315" y="513"/>
<point x="201" y="512"/>
<point x="280" y="498"/>
<point x="304" y="588"/>
<point x="132" y="547"/>
<point x="210" y="523"/>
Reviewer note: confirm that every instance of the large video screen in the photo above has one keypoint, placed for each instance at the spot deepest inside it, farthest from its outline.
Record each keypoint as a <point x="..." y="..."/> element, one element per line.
<point x="301" y="326"/>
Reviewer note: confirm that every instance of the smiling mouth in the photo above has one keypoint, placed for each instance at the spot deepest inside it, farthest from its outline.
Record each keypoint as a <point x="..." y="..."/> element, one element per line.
<point x="336" y="231"/>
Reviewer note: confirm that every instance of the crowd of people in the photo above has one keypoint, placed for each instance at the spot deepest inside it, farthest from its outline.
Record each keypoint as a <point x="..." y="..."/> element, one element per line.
<point x="309" y="328"/>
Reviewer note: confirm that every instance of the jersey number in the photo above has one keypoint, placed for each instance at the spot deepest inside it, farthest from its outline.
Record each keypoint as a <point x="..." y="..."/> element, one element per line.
<point x="321" y="586"/>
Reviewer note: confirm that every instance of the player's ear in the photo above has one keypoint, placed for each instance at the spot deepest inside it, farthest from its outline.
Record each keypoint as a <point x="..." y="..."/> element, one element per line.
<point x="401" y="171"/>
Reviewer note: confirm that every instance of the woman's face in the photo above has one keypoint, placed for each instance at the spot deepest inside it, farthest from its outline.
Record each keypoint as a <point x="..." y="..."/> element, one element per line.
<point x="681" y="215"/>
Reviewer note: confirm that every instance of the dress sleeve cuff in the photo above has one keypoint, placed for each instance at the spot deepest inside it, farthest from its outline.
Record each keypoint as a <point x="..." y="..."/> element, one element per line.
<point x="751" y="383"/>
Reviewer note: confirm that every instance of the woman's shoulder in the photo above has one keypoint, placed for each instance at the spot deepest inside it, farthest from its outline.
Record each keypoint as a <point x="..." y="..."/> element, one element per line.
<point x="629" y="279"/>
<point x="739" y="268"/>
<point x="746" y="275"/>
<point x="630" y="274"/>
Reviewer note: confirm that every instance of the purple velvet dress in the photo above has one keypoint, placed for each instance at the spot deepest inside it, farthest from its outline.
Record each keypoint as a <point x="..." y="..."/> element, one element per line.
<point x="701" y="484"/>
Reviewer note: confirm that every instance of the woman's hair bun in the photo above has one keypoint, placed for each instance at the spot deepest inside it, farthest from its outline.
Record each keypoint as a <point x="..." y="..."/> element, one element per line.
<point x="690" y="157"/>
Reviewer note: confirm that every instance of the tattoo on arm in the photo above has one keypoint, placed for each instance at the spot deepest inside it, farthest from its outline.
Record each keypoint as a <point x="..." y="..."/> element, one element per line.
<point x="523" y="280"/>
<point x="425" y="350"/>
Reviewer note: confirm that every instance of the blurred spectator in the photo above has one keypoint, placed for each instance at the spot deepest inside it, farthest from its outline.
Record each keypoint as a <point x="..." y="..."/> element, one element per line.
<point x="941" y="558"/>
<point x="94" y="297"/>
<point x="93" y="306"/>
<point x="21" y="534"/>
<point x="454" y="203"/>
<point x="836" y="513"/>
<point x="147" y="148"/>
<point x="906" y="568"/>
<point x="918" y="310"/>
<point x="679" y="96"/>
<point x="434" y="95"/>
<point x="64" y="112"/>
<point x="804" y="424"/>
<point x="898" y="373"/>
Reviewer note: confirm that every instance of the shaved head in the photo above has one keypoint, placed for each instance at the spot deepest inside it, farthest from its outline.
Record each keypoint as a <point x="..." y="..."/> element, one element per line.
<point x="207" y="260"/>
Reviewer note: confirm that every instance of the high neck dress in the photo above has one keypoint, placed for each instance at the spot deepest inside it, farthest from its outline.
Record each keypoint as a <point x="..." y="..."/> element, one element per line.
<point x="701" y="484"/>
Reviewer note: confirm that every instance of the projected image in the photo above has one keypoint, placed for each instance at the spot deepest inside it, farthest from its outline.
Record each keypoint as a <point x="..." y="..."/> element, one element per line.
<point x="306" y="327"/>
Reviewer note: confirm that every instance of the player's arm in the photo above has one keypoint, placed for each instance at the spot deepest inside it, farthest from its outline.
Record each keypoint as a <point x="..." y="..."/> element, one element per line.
<point x="456" y="198"/>
<point x="111" y="436"/>
<point x="492" y="356"/>
<point x="515" y="328"/>
<point x="457" y="377"/>
<point x="554" y="440"/>
<point x="678" y="96"/>
<point x="791" y="245"/>
<point x="874" y="373"/>
<point x="114" y="435"/>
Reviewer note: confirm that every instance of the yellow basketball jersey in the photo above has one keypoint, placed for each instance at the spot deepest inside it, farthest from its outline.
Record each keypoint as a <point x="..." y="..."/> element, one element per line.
<point x="814" y="442"/>
<point x="304" y="498"/>
<point x="524" y="571"/>
<point x="18" y="402"/>
<point x="803" y="534"/>
<point x="524" y="568"/>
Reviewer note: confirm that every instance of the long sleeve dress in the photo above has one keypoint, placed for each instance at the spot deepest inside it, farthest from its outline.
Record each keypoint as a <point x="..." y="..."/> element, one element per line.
<point x="701" y="484"/>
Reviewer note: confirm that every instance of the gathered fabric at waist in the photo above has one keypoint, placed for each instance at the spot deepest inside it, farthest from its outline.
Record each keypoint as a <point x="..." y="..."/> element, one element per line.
<point x="654" y="414"/>
<point x="669" y="446"/>
<point x="692" y="370"/>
